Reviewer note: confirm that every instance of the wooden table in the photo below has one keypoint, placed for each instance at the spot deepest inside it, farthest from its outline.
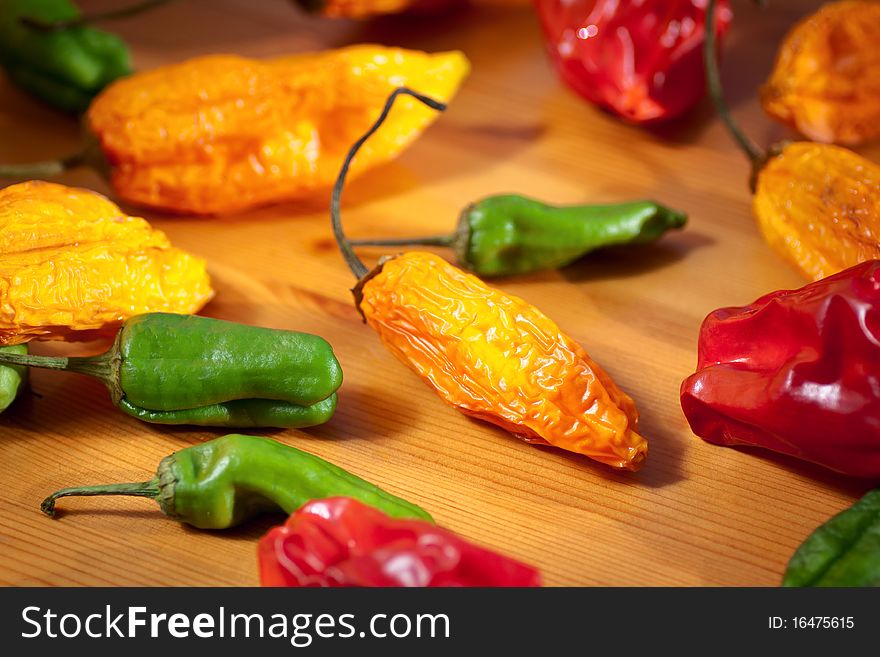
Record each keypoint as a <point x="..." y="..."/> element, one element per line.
<point x="696" y="514"/>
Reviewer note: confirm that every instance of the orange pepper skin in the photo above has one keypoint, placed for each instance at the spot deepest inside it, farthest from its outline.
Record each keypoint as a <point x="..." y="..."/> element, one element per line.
<point x="222" y="133"/>
<point x="362" y="9"/>
<point x="497" y="358"/>
<point x="826" y="81"/>
<point x="818" y="206"/>
<point x="73" y="265"/>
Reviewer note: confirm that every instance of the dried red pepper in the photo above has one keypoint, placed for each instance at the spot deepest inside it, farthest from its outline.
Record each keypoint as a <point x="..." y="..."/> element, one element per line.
<point x="341" y="542"/>
<point x="797" y="372"/>
<point x="640" y="60"/>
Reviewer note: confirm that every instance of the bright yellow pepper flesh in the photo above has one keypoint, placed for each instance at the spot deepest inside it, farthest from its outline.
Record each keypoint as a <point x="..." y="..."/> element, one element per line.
<point x="73" y="264"/>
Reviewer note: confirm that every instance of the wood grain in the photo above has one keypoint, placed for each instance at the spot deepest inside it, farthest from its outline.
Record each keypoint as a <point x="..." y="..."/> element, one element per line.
<point x="696" y="515"/>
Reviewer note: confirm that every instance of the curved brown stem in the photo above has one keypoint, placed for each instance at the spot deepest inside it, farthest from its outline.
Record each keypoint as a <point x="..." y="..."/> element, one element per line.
<point x="713" y="82"/>
<point x="354" y="263"/>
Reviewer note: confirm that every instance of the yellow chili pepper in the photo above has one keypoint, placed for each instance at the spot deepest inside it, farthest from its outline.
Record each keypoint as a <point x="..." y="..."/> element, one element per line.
<point x="491" y="355"/>
<point x="72" y="264"/>
<point x="826" y="80"/>
<point x="223" y="133"/>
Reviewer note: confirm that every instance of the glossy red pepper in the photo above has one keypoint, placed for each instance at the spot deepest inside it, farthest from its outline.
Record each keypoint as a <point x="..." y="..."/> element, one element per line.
<point x="341" y="542"/>
<point x="797" y="372"/>
<point x="640" y="60"/>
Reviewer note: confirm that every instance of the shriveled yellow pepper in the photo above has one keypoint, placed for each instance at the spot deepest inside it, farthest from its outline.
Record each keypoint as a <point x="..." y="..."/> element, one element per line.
<point x="489" y="354"/>
<point x="222" y="133"/>
<point x="817" y="205"/>
<point x="826" y="80"/>
<point x="72" y="264"/>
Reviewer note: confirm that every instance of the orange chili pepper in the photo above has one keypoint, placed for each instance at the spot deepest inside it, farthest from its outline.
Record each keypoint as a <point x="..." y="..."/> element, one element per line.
<point x="361" y="9"/>
<point x="223" y="133"/>
<point x="817" y="205"/>
<point x="491" y="355"/>
<point x="826" y="80"/>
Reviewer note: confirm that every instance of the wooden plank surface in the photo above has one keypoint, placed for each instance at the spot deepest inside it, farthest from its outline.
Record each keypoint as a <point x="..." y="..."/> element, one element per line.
<point x="695" y="515"/>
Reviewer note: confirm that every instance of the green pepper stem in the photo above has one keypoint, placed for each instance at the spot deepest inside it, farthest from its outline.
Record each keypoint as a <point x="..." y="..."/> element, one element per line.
<point x="354" y="263"/>
<point x="436" y="240"/>
<point x="716" y="93"/>
<point x="46" y="169"/>
<point x="141" y="489"/>
<point x="99" y="367"/>
<point x="88" y="19"/>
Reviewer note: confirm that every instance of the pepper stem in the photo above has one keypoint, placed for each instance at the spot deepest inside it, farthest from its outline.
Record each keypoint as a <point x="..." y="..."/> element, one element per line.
<point x="88" y="19"/>
<point x="716" y="93"/>
<point x="46" y="169"/>
<point x="142" y="489"/>
<point x="97" y="366"/>
<point x="436" y="240"/>
<point x="354" y="263"/>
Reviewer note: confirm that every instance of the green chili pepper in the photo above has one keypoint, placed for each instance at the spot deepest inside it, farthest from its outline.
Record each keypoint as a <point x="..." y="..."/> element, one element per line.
<point x="12" y="377"/>
<point x="65" y="67"/>
<point x="225" y="481"/>
<point x="844" y="552"/>
<point x="185" y="369"/>
<point x="512" y="234"/>
<point x="87" y="19"/>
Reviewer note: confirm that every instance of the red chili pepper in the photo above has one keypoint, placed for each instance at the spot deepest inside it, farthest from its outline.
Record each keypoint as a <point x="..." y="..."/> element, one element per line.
<point x="797" y="372"/>
<point x="640" y="60"/>
<point x="341" y="542"/>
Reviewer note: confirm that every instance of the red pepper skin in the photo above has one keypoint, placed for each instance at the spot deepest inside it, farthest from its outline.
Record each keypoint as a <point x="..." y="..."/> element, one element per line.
<point x="642" y="61"/>
<point x="340" y="542"/>
<point x="797" y="372"/>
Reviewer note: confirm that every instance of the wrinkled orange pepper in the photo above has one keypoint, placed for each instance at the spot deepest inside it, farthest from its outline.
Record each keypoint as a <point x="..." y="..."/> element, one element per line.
<point x="360" y="9"/>
<point x="73" y="264"/>
<point x="222" y="133"/>
<point x="498" y="358"/>
<point x="491" y="355"/>
<point x="826" y="80"/>
<point x="817" y="205"/>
